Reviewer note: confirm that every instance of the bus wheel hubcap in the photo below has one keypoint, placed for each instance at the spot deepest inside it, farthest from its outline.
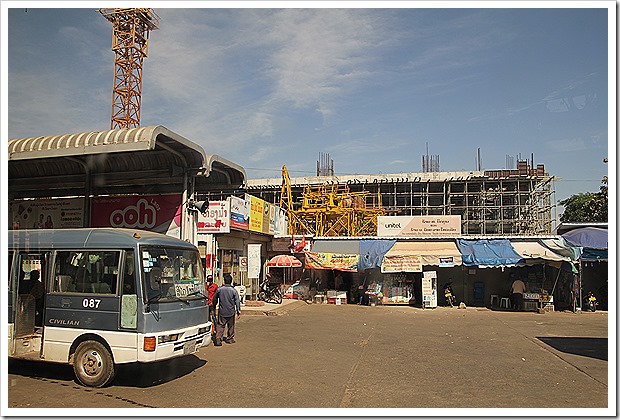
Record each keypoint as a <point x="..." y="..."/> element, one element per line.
<point x="92" y="363"/>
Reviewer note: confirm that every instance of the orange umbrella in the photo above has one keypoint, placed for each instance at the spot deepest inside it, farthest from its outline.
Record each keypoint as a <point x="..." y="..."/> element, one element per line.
<point x="284" y="261"/>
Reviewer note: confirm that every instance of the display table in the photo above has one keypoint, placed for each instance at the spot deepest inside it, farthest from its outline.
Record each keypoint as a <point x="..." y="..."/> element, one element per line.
<point x="537" y="302"/>
<point x="335" y="296"/>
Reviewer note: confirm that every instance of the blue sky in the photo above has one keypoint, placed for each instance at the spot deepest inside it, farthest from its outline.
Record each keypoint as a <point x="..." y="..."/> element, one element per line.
<point x="266" y="87"/>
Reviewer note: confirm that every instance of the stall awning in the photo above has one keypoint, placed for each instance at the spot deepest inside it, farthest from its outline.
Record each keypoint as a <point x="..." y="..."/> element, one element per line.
<point x="587" y="237"/>
<point x="410" y="256"/>
<point x="561" y="247"/>
<point x="340" y="255"/>
<point x="372" y="252"/>
<point x="534" y="253"/>
<point x="590" y="254"/>
<point x="331" y="261"/>
<point x="348" y="246"/>
<point x="485" y="252"/>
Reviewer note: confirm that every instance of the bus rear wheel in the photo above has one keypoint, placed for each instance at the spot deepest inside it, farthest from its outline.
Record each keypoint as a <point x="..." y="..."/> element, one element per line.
<point x="93" y="365"/>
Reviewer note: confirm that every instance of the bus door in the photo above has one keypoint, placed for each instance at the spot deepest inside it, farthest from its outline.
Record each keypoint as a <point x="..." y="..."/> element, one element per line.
<point x="84" y="296"/>
<point x="27" y="297"/>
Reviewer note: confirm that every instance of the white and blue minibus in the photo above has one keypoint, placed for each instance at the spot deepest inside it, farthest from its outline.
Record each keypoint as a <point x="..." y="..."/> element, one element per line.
<point x="97" y="298"/>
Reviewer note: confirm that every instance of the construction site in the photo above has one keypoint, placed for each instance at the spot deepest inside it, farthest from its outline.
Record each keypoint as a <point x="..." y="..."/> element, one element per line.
<point x="490" y="202"/>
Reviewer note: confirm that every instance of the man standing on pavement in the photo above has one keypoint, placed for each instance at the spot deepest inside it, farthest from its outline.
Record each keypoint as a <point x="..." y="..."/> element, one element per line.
<point x="517" y="290"/>
<point x="211" y="288"/>
<point x="229" y="305"/>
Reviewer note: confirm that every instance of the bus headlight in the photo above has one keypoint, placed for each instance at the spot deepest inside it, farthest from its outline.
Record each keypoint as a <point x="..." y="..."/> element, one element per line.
<point x="202" y="330"/>
<point x="167" y="338"/>
<point x="150" y="343"/>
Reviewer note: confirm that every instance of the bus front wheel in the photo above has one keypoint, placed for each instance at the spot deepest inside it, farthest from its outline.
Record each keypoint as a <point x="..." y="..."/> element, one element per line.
<point x="93" y="364"/>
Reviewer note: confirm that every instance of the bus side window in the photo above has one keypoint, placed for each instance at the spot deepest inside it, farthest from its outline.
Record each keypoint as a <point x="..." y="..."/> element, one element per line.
<point x="129" y="277"/>
<point x="64" y="272"/>
<point x="106" y="268"/>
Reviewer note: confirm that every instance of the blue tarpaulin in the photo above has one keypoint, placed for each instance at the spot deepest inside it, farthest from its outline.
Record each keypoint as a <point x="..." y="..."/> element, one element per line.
<point x="591" y="254"/>
<point x="587" y="237"/>
<point x="372" y="252"/>
<point x="495" y="252"/>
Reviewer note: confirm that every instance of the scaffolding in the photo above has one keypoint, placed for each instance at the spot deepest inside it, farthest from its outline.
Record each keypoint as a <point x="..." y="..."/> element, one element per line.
<point x="502" y="202"/>
<point x="330" y="210"/>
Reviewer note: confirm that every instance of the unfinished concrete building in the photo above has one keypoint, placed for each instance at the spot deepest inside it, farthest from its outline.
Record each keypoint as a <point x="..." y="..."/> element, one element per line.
<point x="495" y="202"/>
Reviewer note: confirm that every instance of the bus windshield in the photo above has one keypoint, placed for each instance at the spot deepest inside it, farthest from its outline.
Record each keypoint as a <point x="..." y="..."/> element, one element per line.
<point x="172" y="273"/>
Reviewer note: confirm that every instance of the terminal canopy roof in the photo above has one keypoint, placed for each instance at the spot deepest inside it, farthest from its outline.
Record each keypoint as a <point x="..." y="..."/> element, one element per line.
<point x="144" y="160"/>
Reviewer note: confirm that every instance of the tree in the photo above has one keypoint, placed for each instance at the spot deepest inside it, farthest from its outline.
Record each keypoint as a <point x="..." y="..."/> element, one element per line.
<point x="586" y="207"/>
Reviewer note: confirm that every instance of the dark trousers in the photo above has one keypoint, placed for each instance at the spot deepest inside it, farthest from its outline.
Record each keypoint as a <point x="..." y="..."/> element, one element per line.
<point x="212" y="315"/>
<point x="517" y="301"/>
<point x="223" y="322"/>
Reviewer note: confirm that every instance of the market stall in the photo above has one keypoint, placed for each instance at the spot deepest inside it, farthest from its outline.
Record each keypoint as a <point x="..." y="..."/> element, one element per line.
<point x="403" y="265"/>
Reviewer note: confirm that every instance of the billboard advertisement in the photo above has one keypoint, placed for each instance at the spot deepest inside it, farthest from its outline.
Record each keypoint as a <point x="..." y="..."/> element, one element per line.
<point x="254" y="260"/>
<point x="257" y="207"/>
<point x="401" y="263"/>
<point x="157" y="213"/>
<point x="50" y="213"/>
<point x="419" y="226"/>
<point x="281" y="222"/>
<point x="216" y="219"/>
<point x="240" y="212"/>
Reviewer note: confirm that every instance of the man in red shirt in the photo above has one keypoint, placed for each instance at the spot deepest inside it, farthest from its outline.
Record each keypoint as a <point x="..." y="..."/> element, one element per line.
<point x="211" y="288"/>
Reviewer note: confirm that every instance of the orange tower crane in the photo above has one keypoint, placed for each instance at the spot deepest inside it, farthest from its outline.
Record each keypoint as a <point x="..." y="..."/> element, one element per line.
<point x="130" y="36"/>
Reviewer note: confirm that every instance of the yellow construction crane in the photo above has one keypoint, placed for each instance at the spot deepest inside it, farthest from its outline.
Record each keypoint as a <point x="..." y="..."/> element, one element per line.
<point x="330" y="210"/>
<point x="130" y="36"/>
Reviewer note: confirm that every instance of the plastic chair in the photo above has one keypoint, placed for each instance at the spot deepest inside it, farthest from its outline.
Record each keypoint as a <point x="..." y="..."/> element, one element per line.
<point x="504" y="303"/>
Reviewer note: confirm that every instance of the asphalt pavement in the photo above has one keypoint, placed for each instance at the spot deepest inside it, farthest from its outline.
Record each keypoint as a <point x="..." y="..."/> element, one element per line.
<point x="359" y="360"/>
<point x="271" y="309"/>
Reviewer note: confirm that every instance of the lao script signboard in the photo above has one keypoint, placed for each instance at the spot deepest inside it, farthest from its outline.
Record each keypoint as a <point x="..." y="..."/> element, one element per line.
<point x="419" y="226"/>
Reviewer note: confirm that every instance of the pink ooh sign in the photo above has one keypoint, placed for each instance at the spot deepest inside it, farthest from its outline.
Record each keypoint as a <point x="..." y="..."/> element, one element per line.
<point x="158" y="213"/>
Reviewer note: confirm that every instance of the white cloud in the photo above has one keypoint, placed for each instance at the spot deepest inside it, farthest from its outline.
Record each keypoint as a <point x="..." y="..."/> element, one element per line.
<point x="235" y="85"/>
<point x="567" y="145"/>
<point x="46" y="106"/>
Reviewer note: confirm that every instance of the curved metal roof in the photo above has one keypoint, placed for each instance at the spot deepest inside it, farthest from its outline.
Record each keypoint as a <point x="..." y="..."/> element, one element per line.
<point x="147" y="160"/>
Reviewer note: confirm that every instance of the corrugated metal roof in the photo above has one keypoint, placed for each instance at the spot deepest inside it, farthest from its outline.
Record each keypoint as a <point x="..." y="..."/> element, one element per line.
<point x="149" y="159"/>
<point x="93" y="142"/>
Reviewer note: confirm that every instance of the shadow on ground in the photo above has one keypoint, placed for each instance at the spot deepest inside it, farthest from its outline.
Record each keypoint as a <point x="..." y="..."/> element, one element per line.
<point x="138" y="375"/>
<point x="582" y="346"/>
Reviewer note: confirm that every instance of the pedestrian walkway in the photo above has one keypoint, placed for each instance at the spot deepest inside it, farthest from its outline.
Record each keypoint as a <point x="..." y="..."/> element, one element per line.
<point x="271" y="308"/>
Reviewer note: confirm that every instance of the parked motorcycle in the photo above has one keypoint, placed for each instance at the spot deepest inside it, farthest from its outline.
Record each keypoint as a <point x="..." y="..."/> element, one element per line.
<point x="449" y="294"/>
<point x="270" y="293"/>
<point x="591" y="302"/>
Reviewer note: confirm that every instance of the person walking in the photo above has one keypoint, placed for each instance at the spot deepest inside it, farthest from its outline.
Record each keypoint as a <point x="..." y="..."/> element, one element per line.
<point x="211" y="289"/>
<point x="229" y="305"/>
<point x="517" y="290"/>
